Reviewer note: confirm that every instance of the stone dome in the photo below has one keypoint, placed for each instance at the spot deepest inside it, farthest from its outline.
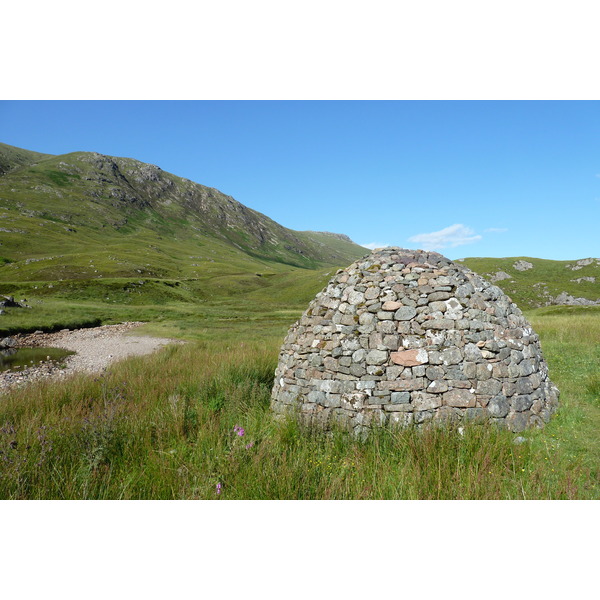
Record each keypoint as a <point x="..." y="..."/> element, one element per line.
<point x="406" y="336"/>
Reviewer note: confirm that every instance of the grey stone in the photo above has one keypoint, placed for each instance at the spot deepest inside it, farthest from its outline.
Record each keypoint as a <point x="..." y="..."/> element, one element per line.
<point x="474" y="414"/>
<point x="357" y="369"/>
<point x="419" y="371"/>
<point x="400" y="397"/>
<point x="387" y="327"/>
<point x="383" y="315"/>
<point x="372" y="293"/>
<point x="437" y="387"/>
<point x="470" y="370"/>
<point x="393" y="372"/>
<point x="439" y="324"/>
<point x="424" y="401"/>
<point x="473" y="353"/>
<point x="484" y="371"/>
<point x="460" y="398"/>
<point x="489" y="387"/>
<point x="405" y="313"/>
<point x="355" y="297"/>
<point x="331" y="364"/>
<point x="330" y="385"/>
<point x="434" y="372"/>
<point x="332" y="401"/>
<point x="391" y="341"/>
<point x="359" y="355"/>
<point x="524" y="386"/>
<point x="402" y="419"/>
<point x="517" y="421"/>
<point x="498" y="407"/>
<point x="377" y="357"/>
<point x="435" y="358"/>
<point x="423" y="416"/>
<point x="436" y="296"/>
<point x="521" y="403"/>
<point x="366" y="318"/>
<point x="438" y="306"/>
<point x="451" y="356"/>
<point x="315" y="396"/>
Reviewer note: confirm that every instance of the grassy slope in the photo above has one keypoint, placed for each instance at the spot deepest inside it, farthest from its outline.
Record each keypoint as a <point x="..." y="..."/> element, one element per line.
<point x="12" y="157"/>
<point x="125" y="217"/>
<point x="552" y="276"/>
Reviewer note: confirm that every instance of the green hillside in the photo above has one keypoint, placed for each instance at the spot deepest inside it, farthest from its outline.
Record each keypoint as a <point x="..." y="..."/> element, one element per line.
<point x="12" y="158"/>
<point x="545" y="283"/>
<point x="84" y="226"/>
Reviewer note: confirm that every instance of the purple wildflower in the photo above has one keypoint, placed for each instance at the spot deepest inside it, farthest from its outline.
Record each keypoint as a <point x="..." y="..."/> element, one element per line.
<point x="248" y="446"/>
<point x="219" y="486"/>
<point x="240" y="432"/>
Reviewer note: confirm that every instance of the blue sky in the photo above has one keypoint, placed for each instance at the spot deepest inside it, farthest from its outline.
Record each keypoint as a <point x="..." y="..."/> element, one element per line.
<point x="466" y="178"/>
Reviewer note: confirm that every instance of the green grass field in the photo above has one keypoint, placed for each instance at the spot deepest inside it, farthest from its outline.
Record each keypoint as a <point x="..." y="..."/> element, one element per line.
<point x="162" y="426"/>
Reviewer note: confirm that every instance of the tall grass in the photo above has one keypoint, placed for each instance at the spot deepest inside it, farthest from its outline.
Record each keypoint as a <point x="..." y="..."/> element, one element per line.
<point x="167" y="426"/>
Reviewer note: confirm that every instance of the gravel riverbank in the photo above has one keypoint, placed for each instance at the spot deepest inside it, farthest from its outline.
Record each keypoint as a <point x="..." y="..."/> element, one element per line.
<point x="96" y="348"/>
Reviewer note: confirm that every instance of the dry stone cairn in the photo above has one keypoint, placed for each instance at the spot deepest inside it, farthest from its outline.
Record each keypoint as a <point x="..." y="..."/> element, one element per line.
<point x="406" y="337"/>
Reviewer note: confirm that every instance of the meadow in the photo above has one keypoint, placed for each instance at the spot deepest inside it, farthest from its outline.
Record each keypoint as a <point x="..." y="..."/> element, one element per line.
<point x="193" y="421"/>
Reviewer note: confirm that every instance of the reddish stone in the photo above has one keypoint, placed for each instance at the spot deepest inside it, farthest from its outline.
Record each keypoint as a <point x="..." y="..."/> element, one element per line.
<point x="410" y="358"/>
<point x="391" y="305"/>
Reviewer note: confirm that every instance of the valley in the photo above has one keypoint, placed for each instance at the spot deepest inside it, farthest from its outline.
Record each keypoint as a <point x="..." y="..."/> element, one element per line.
<point x="88" y="240"/>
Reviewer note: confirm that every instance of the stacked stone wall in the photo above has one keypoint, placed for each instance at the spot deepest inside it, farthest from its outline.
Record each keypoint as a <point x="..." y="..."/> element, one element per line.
<point x="404" y="337"/>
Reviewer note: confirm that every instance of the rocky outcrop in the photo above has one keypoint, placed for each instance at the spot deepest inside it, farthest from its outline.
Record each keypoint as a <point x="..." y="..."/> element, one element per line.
<point x="7" y="342"/>
<point x="522" y="265"/>
<point x="10" y="302"/>
<point x="499" y="276"/>
<point x="584" y="262"/>
<point x="405" y="337"/>
<point x="566" y="299"/>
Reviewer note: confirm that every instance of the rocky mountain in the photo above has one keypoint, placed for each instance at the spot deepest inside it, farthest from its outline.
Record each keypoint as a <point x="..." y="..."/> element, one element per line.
<point x="62" y="215"/>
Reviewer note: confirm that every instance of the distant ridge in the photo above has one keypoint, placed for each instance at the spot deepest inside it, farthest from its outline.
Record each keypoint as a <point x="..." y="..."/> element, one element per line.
<point x="12" y="158"/>
<point x="339" y="236"/>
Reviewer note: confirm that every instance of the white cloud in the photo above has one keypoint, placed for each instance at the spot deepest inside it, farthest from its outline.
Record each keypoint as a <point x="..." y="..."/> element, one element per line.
<point x="374" y="245"/>
<point x="497" y="229"/>
<point x="449" y="237"/>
